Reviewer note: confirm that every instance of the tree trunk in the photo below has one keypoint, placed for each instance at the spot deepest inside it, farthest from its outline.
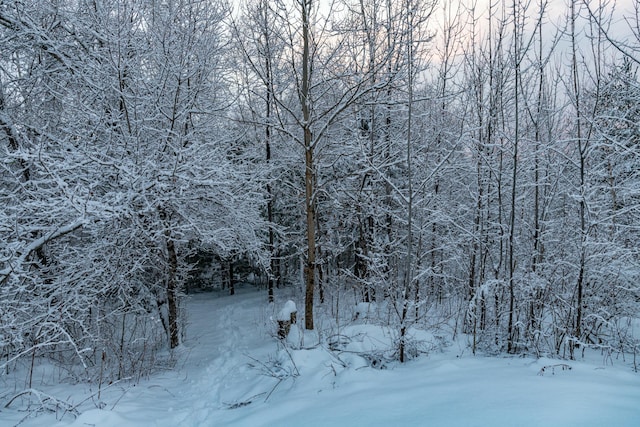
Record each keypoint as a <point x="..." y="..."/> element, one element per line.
<point x="310" y="266"/>
<point x="512" y="218"/>
<point x="270" y="197"/>
<point x="232" y="286"/>
<point x="582" y="152"/>
<point x="309" y="173"/>
<point x="172" y="294"/>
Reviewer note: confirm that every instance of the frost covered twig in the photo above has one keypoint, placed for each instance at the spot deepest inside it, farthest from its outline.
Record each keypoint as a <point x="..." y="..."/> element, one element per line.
<point x="46" y="402"/>
<point x="562" y="366"/>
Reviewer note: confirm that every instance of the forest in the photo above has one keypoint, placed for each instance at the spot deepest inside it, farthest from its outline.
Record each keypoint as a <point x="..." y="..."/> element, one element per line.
<point x="468" y="163"/>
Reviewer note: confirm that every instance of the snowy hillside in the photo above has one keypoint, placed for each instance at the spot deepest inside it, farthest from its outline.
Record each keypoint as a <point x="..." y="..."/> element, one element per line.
<point x="232" y="372"/>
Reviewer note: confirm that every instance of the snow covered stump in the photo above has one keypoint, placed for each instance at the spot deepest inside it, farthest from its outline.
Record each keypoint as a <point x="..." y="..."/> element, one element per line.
<point x="286" y="318"/>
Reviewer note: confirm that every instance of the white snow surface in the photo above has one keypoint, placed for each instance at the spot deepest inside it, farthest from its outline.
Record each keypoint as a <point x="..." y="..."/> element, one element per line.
<point x="231" y="371"/>
<point x="288" y="309"/>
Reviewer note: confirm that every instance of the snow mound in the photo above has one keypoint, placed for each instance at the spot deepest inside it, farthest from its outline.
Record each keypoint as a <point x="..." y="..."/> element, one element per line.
<point x="285" y="314"/>
<point x="232" y="372"/>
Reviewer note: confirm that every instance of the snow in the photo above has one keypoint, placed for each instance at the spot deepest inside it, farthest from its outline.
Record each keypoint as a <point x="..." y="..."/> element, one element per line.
<point x="232" y="371"/>
<point x="365" y="309"/>
<point x="288" y="309"/>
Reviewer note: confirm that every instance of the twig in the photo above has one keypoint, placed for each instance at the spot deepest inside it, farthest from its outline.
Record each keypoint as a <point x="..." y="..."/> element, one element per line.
<point x="563" y="366"/>
<point x="274" y="388"/>
<point x="75" y="407"/>
<point x="47" y="402"/>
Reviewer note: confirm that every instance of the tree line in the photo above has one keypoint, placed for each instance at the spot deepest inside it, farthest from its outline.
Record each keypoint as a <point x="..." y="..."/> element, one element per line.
<point x="454" y="160"/>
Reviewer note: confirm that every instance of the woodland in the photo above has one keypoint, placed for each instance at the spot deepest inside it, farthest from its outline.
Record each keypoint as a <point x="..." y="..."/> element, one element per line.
<point x="468" y="163"/>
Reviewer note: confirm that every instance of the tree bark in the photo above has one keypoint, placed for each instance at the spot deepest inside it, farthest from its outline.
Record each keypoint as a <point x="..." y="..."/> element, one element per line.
<point x="172" y="294"/>
<point x="309" y="173"/>
<point x="512" y="217"/>
<point x="269" y="102"/>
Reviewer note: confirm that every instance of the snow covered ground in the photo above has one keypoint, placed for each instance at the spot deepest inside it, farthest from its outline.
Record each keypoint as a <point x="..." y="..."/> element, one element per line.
<point x="232" y="372"/>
